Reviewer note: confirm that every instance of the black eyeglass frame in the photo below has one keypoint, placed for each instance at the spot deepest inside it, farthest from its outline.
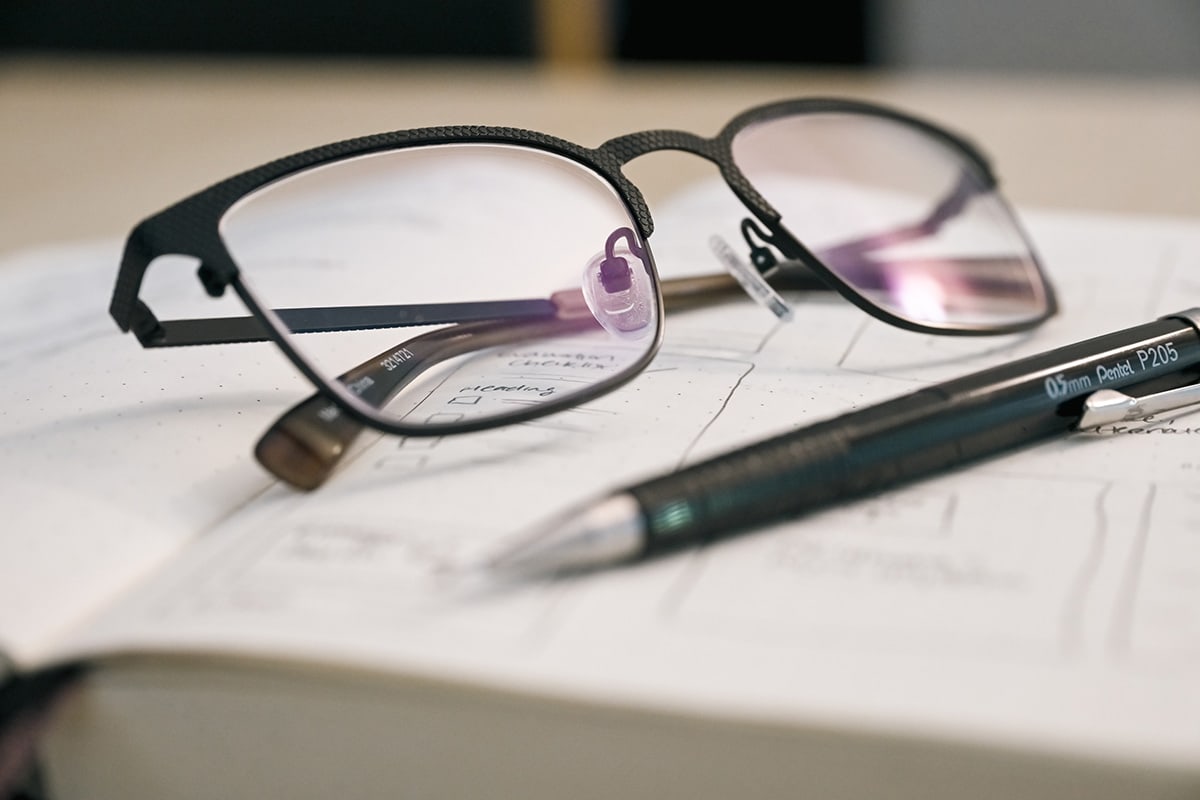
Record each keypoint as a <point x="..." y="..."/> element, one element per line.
<point x="191" y="227"/>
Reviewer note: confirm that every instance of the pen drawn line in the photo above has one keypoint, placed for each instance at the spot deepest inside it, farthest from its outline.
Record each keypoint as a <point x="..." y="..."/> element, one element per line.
<point x="1071" y="633"/>
<point x="548" y="618"/>
<point x="722" y="357"/>
<point x="683" y="457"/>
<point x="227" y="567"/>
<point x="707" y="358"/>
<point x="189" y="593"/>
<point x="862" y="328"/>
<point x="582" y="411"/>
<point x="948" y="515"/>
<point x="684" y="582"/>
<point x="1121" y="632"/>
<point x="768" y="336"/>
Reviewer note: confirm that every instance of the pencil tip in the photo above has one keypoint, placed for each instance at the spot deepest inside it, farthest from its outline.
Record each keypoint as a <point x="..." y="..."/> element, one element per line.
<point x="593" y="536"/>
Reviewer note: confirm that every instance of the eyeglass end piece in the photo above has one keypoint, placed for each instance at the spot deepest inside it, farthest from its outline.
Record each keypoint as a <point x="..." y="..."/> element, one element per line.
<point x="304" y="446"/>
<point x="290" y="460"/>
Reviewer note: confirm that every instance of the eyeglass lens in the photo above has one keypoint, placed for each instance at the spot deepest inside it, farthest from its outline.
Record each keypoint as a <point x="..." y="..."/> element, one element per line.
<point x="898" y="214"/>
<point x="533" y="255"/>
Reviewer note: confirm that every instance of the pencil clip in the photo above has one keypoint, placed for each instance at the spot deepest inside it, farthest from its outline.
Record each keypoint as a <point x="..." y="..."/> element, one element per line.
<point x="1108" y="406"/>
<point x="750" y="279"/>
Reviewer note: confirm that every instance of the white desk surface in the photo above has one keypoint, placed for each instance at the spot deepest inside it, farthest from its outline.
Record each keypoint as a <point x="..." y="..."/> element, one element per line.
<point x="90" y="146"/>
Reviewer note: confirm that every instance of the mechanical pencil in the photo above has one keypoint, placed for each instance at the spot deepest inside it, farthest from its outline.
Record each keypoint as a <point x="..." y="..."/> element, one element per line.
<point x="917" y="435"/>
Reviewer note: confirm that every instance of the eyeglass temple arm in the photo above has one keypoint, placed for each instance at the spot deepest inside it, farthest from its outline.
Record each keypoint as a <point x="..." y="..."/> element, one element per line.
<point x="305" y="444"/>
<point x="857" y="256"/>
<point x="230" y="330"/>
<point x="947" y="209"/>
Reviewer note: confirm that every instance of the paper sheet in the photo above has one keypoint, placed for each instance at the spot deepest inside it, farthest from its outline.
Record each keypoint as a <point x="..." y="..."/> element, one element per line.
<point x="1047" y="598"/>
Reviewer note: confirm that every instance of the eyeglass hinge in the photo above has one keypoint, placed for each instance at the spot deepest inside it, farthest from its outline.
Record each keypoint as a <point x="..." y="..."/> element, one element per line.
<point x="145" y="325"/>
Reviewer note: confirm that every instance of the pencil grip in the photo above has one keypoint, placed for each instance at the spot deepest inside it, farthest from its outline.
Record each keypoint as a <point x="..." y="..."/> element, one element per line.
<point x="797" y="472"/>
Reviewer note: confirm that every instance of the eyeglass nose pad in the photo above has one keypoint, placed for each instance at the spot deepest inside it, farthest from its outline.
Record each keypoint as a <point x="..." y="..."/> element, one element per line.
<point x="620" y="296"/>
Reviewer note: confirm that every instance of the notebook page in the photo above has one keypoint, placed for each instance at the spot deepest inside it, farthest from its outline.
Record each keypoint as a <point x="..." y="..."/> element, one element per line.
<point x="110" y="456"/>
<point x="1045" y="598"/>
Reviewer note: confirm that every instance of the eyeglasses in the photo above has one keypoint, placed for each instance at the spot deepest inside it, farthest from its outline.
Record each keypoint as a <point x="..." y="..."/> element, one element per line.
<point x="521" y="263"/>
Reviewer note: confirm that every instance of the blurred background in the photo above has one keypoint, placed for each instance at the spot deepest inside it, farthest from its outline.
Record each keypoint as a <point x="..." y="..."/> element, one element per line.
<point x="113" y="110"/>
<point x="1136" y="37"/>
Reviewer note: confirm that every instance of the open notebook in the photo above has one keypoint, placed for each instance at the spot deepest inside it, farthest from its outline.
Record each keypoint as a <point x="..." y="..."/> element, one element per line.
<point x="1029" y="627"/>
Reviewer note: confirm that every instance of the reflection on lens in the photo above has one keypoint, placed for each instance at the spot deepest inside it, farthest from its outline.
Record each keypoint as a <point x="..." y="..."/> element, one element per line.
<point x="901" y="216"/>
<point x="441" y="285"/>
